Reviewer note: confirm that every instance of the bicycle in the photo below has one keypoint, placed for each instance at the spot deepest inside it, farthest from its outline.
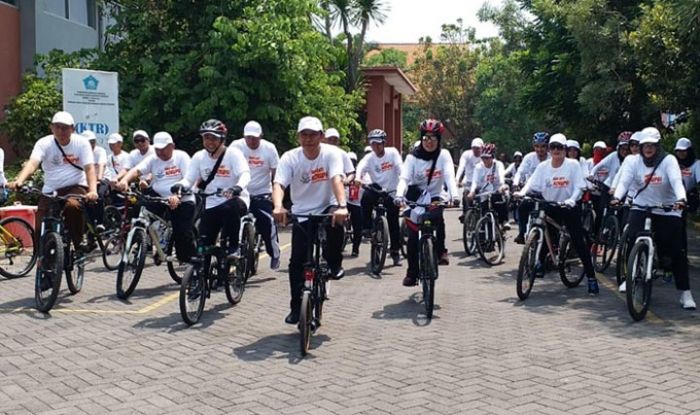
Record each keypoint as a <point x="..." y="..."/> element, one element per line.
<point x="147" y="229"/>
<point x="316" y="276"/>
<point x="470" y="217"/>
<point x="115" y="241"/>
<point x="490" y="242"/>
<point x="642" y="266"/>
<point x="562" y="254"/>
<point x="17" y="253"/>
<point x="605" y="242"/>
<point x="211" y="268"/>
<point x="258" y="244"/>
<point x="427" y="255"/>
<point x="379" y="239"/>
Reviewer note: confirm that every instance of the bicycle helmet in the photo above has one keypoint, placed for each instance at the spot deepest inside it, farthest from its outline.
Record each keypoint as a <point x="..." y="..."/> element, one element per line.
<point x="214" y="127"/>
<point x="623" y="139"/>
<point x="432" y="126"/>
<point x="540" y="138"/>
<point x="489" y="150"/>
<point x="377" y="136"/>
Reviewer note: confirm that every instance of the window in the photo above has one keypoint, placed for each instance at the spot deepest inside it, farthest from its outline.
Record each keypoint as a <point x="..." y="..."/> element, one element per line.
<point x="79" y="11"/>
<point x="57" y="7"/>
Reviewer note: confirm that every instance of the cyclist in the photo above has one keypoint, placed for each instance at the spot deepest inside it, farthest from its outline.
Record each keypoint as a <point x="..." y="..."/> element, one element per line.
<point x="68" y="164"/>
<point x="96" y="211"/>
<point x="262" y="159"/>
<point x="573" y="151"/>
<point x="605" y="172"/>
<point x="690" y="170"/>
<point x="383" y="165"/>
<point x="217" y="167"/>
<point x="489" y="176"/>
<point x="659" y="180"/>
<point x="314" y="173"/>
<point x="354" y="194"/>
<point x="515" y="165"/>
<point x="143" y="149"/>
<point x="118" y="161"/>
<point x="168" y="166"/>
<point x="424" y="173"/>
<point x="561" y="180"/>
<point x="467" y="162"/>
<point x="526" y="169"/>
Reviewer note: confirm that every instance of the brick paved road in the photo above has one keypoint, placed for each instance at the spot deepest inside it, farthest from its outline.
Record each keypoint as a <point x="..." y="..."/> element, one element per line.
<point x="484" y="352"/>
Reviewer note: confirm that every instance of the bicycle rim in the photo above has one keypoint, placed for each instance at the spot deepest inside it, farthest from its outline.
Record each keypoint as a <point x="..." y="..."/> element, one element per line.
<point x="129" y="272"/>
<point x="193" y="293"/>
<point x="17" y="253"/>
<point x="49" y="272"/>
<point x="235" y="283"/>
<point x="490" y="247"/>
<point x="570" y="266"/>
<point x="176" y="269"/>
<point x="428" y="272"/>
<point x="526" y="267"/>
<point x="305" y="317"/>
<point x="621" y="262"/>
<point x="113" y="250"/>
<point x="638" y="287"/>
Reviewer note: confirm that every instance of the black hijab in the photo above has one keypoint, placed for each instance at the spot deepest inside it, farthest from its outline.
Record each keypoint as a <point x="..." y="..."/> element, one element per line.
<point x="656" y="158"/>
<point x="689" y="159"/>
<point x="420" y="153"/>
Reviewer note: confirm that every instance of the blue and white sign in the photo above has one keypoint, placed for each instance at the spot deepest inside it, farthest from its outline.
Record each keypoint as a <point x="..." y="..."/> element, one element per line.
<point x="92" y="97"/>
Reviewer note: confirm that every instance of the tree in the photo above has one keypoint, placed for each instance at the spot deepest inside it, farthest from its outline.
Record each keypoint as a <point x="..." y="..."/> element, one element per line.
<point x="388" y="57"/>
<point x="235" y="60"/>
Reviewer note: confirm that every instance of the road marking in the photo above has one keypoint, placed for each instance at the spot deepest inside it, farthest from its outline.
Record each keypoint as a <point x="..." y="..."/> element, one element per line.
<point x="145" y="310"/>
<point x="651" y="317"/>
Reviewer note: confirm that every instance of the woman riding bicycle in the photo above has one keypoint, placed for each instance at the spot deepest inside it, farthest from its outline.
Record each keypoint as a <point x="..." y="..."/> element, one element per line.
<point x="658" y="178"/>
<point x="489" y="177"/>
<point x="560" y="180"/>
<point x="424" y="173"/>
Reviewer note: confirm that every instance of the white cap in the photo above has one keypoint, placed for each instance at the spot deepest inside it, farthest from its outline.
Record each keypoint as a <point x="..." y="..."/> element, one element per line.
<point x="517" y="154"/>
<point x="600" y="144"/>
<point x="332" y="132"/>
<point x="653" y="134"/>
<point x="367" y="149"/>
<point x="683" y="144"/>
<point x="252" y="128"/>
<point x="352" y="155"/>
<point x="309" y="123"/>
<point x="115" y="138"/>
<point x="558" y="138"/>
<point x="162" y="139"/>
<point x="636" y="136"/>
<point x="477" y="142"/>
<point x="89" y="135"/>
<point x="140" y="133"/>
<point x="573" y="144"/>
<point x="62" y="117"/>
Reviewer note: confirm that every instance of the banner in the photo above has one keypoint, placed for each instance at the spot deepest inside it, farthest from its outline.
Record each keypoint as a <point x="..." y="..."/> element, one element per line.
<point x="92" y="97"/>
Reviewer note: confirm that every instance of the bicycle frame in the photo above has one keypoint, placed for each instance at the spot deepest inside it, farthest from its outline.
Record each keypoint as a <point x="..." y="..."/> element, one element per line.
<point x="540" y="225"/>
<point x="145" y="222"/>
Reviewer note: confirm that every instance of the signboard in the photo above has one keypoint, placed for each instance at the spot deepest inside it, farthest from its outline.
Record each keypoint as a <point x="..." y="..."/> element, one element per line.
<point x="92" y="97"/>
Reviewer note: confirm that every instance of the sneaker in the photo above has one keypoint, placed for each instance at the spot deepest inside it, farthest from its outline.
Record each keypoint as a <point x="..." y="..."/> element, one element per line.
<point x="520" y="240"/>
<point x="593" y="286"/>
<point x="396" y="257"/>
<point x="275" y="263"/>
<point x="338" y="273"/>
<point x="687" y="301"/>
<point x="409" y="281"/>
<point x="292" y="317"/>
<point x="355" y="252"/>
<point x="444" y="259"/>
<point x="623" y="287"/>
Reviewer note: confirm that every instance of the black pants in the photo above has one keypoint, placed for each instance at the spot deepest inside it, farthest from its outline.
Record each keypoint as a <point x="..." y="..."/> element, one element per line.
<point x="571" y="218"/>
<point x="670" y="239"/>
<point x="524" y="210"/>
<point x="96" y="212"/>
<point x="599" y="204"/>
<point x="181" y="219"/>
<point x="500" y="208"/>
<point x="301" y="238"/>
<point x="369" y="199"/>
<point x="225" y="218"/>
<point x="261" y="208"/>
<point x="436" y="216"/>
<point x="357" y="225"/>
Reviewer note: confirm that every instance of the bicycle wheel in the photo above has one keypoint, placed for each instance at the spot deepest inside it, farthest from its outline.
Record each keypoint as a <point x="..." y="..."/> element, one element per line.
<point x="347" y="236"/>
<point x="621" y="263"/>
<point x="247" y="246"/>
<point x="129" y="271"/>
<point x="259" y="245"/>
<point x="570" y="266"/>
<point x="489" y="245"/>
<point x="235" y="283"/>
<point x="176" y="269"/>
<point x="471" y="217"/>
<point x="305" y="318"/>
<point x="48" y="271"/>
<point x="638" y="287"/>
<point x="193" y="294"/>
<point x="113" y="249"/>
<point x="588" y="221"/>
<point x="606" y="244"/>
<point x="379" y="244"/>
<point x="17" y="254"/>
<point x="403" y="237"/>
<point x="75" y="270"/>
<point x="428" y="271"/>
<point x="112" y="219"/>
<point x="526" y="267"/>
<point x="320" y="292"/>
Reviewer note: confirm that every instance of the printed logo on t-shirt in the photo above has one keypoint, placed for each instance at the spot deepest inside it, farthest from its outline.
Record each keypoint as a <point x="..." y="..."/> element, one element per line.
<point x="686" y="172"/>
<point x="59" y="160"/>
<point x="314" y="176"/>
<point x="385" y="166"/>
<point x="602" y="173"/>
<point x="170" y="171"/>
<point x="652" y="179"/>
<point x="490" y="178"/>
<point x="223" y="171"/>
<point x="559" y="182"/>
<point x="255" y="161"/>
<point x="437" y="173"/>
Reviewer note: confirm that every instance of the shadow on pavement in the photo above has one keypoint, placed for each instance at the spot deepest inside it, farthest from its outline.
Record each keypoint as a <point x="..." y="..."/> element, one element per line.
<point x="411" y="308"/>
<point x="139" y="293"/>
<point x="173" y="321"/>
<point x="278" y="346"/>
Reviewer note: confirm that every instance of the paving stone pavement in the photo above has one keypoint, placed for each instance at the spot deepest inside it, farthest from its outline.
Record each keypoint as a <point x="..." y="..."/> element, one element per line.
<point x="484" y="352"/>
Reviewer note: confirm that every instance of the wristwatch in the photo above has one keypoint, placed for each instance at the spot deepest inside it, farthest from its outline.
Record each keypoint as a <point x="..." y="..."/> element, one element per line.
<point x="341" y="206"/>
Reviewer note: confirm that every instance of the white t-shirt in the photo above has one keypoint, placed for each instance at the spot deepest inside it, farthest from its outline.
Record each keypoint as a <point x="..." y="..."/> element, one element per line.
<point x="233" y="171"/>
<point x="384" y="170"/>
<point x="100" y="156"/>
<point x="665" y="186"/>
<point x="310" y="180"/>
<point x="135" y="156"/>
<point x="691" y="175"/>
<point x="415" y="171"/>
<point x="527" y="168"/>
<point x="166" y="173"/>
<point x="487" y="179"/>
<point x="607" y="168"/>
<point x="557" y="184"/>
<point x="467" y="163"/>
<point x="115" y="164"/>
<point x="58" y="171"/>
<point x="3" y="179"/>
<point x="626" y="163"/>
<point x="260" y="162"/>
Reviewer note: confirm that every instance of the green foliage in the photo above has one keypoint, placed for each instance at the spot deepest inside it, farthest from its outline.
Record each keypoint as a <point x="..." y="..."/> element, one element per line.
<point x="388" y="57"/>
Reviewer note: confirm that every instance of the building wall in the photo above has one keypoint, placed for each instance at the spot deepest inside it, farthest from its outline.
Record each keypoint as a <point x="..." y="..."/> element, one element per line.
<point x="10" y="67"/>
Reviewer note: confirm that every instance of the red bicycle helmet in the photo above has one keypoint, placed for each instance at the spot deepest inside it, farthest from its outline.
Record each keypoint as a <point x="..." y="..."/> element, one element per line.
<point x="624" y="137"/>
<point x="489" y="150"/>
<point x="432" y="126"/>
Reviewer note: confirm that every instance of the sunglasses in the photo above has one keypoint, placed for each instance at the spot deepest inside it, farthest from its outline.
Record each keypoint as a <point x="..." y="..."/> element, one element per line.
<point x="139" y="140"/>
<point x="429" y="137"/>
<point x="556" y="146"/>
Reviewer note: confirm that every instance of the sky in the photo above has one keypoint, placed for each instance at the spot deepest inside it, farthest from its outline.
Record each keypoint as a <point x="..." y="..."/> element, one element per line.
<point x="408" y="20"/>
